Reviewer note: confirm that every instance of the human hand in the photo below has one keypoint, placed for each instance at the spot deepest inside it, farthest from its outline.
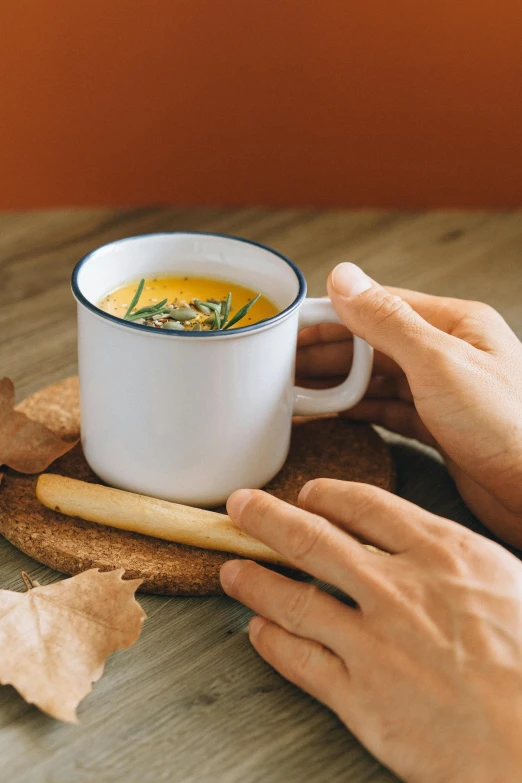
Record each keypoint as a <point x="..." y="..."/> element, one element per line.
<point x="426" y="670"/>
<point x="447" y="372"/>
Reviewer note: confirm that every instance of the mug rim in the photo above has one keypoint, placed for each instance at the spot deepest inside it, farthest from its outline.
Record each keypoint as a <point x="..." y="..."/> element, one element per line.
<point x="116" y="320"/>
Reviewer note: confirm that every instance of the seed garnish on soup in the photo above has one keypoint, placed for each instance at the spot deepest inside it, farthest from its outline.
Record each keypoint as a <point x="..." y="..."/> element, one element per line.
<point x="188" y="304"/>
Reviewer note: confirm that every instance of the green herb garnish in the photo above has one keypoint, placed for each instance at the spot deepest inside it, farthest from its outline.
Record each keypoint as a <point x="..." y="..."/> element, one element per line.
<point x="135" y="298"/>
<point x="149" y="312"/>
<point x="226" y="310"/>
<point x="144" y="312"/>
<point x="241" y="313"/>
<point x="151" y="308"/>
<point x="218" y="311"/>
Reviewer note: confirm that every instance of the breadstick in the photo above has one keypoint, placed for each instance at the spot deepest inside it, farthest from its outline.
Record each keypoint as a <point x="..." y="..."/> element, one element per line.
<point x="152" y="517"/>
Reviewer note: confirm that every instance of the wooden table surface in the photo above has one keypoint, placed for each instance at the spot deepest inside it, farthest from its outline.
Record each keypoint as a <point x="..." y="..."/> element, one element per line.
<point x="191" y="702"/>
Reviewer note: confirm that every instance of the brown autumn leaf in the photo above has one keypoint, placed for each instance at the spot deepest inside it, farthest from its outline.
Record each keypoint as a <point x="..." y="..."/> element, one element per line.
<point x="26" y="445"/>
<point x="54" y="639"/>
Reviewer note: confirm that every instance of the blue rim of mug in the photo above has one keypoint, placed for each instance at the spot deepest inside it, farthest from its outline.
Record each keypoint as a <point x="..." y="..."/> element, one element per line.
<point x="171" y="333"/>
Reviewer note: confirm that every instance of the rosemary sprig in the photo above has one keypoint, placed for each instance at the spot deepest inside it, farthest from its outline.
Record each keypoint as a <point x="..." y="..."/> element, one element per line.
<point x="241" y="313"/>
<point x="226" y="310"/>
<point x="152" y="308"/>
<point x="217" y="321"/>
<point x="147" y="312"/>
<point x="135" y="298"/>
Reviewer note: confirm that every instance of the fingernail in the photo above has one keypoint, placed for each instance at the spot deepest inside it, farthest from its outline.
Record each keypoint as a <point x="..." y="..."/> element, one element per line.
<point x="229" y="572"/>
<point x="237" y="501"/>
<point x="304" y="492"/>
<point x="255" y="625"/>
<point x="349" y="280"/>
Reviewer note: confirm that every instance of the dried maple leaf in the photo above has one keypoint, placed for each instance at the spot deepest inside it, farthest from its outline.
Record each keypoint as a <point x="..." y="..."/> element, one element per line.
<point x="26" y="445"/>
<point x="54" y="639"/>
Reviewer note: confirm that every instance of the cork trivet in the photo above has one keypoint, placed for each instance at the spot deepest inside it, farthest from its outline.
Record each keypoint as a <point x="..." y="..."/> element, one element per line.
<point x="327" y="447"/>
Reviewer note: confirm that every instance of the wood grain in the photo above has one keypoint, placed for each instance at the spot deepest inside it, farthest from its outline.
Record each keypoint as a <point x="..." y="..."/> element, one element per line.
<point x="191" y="702"/>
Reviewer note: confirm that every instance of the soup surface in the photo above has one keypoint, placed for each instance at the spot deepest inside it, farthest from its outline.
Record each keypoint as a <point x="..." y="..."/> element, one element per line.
<point x="192" y="303"/>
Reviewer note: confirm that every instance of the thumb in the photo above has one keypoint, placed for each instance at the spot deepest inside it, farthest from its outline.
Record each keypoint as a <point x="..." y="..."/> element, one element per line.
<point x="384" y="320"/>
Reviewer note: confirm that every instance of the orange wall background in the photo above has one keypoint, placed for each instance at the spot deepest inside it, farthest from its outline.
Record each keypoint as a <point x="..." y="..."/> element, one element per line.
<point x="386" y="103"/>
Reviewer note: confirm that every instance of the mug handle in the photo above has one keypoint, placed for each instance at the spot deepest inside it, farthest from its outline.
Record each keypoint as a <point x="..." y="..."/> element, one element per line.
<point x="308" y="402"/>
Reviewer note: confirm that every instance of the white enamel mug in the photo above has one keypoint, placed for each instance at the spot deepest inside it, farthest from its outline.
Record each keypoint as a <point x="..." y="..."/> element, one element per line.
<point x="191" y="416"/>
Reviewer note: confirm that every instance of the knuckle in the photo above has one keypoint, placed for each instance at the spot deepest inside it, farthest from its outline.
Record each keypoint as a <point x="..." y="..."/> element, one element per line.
<point x="453" y="553"/>
<point x="401" y="587"/>
<point x="299" y="606"/>
<point x="385" y="308"/>
<point x="483" y="311"/>
<point x="363" y="499"/>
<point x="307" y="538"/>
<point x="463" y="549"/>
<point x="300" y="664"/>
<point x="384" y="584"/>
<point x="322" y="332"/>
